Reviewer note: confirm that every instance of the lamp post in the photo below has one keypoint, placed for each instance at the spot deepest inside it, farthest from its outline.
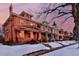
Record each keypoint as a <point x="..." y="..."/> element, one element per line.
<point x="54" y="31"/>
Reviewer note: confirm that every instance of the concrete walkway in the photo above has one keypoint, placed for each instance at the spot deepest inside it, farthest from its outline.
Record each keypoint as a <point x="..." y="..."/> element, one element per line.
<point x="67" y="51"/>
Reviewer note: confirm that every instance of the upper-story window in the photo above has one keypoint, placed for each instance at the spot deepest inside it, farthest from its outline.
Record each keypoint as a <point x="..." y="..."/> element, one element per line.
<point x="42" y="27"/>
<point x="53" y="30"/>
<point x="49" y="29"/>
<point x="60" y="32"/>
<point x="22" y="22"/>
<point x="26" y="15"/>
<point x="38" y="26"/>
<point x="31" y="24"/>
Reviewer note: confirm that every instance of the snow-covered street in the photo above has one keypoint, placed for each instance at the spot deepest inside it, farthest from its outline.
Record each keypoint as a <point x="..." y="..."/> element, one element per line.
<point x="19" y="50"/>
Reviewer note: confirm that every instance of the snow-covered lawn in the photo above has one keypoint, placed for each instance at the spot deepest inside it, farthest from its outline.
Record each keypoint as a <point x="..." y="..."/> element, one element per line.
<point x="67" y="51"/>
<point x="19" y="50"/>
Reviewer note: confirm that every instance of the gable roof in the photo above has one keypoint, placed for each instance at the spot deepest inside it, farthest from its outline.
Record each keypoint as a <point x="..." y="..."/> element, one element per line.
<point x="25" y="13"/>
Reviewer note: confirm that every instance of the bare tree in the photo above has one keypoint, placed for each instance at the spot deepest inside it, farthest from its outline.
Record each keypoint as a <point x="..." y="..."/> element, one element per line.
<point x="67" y="10"/>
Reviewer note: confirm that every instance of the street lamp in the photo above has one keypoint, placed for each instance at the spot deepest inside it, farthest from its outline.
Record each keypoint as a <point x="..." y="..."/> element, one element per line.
<point x="54" y="29"/>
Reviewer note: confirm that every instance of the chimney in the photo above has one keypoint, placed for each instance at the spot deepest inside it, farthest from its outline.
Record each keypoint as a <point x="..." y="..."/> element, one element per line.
<point x="10" y="9"/>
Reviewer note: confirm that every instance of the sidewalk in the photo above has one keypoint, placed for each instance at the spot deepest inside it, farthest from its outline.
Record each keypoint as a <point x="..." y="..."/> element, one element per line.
<point x="67" y="51"/>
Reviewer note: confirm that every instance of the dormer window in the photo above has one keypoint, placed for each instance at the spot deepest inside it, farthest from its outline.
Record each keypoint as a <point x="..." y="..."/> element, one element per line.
<point x="27" y="15"/>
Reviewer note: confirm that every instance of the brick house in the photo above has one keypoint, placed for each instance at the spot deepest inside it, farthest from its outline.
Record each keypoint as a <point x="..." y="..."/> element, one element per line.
<point x="20" y="29"/>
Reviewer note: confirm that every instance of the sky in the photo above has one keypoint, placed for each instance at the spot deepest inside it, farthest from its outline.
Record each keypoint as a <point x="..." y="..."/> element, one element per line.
<point x="31" y="8"/>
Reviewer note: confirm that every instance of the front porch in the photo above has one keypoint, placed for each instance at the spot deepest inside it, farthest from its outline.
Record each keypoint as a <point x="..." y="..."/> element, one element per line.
<point x="30" y="36"/>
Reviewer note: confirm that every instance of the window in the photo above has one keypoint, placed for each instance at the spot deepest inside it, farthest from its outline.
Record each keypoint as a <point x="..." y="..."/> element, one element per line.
<point x="21" y="21"/>
<point x="53" y="30"/>
<point x="31" y="24"/>
<point x="41" y="27"/>
<point x="60" y="32"/>
<point x="38" y="26"/>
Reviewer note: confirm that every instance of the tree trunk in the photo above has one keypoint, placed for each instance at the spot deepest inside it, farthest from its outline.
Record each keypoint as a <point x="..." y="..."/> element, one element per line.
<point x="75" y="13"/>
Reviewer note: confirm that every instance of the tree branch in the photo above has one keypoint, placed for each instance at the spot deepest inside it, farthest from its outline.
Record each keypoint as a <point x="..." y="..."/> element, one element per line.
<point x="61" y="15"/>
<point x="51" y="10"/>
<point x="48" y="10"/>
<point x="64" y="12"/>
<point x="67" y="19"/>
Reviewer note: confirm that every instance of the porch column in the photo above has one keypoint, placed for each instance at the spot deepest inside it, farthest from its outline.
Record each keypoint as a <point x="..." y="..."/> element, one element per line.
<point x="47" y="38"/>
<point x="51" y="37"/>
<point x="40" y="37"/>
<point x="21" y="37"/>
<point x="14" y="36"/>
<point x="31" y="35"/>
<point x="22" y="34"/>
